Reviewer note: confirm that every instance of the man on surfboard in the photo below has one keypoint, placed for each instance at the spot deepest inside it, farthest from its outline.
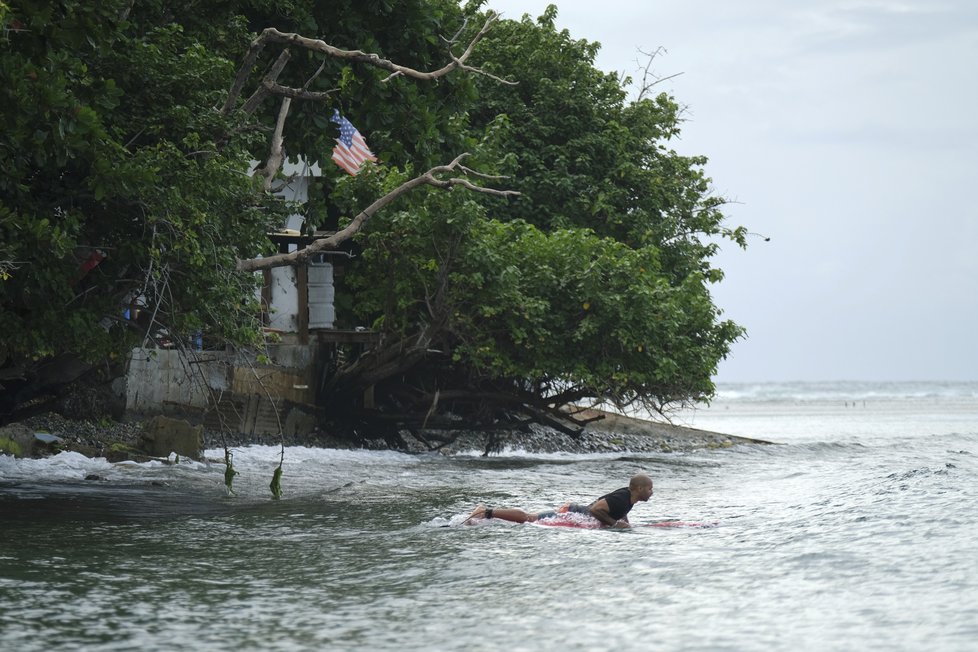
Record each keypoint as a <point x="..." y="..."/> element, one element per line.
<point x="611" y="509"/>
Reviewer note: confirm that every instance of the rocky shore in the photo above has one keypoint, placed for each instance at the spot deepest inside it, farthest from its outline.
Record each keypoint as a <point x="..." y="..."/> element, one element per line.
<point x="118" y="440"/>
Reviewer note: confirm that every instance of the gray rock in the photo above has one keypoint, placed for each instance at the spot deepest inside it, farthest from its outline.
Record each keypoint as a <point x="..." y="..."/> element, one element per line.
<point x="163" y="435"/>
<point x="46" y="437"/>
<point x="17" y="439"/>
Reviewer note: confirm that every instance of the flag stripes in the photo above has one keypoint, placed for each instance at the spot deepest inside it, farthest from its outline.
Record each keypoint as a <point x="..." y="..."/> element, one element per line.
<point x="351" y="149"/>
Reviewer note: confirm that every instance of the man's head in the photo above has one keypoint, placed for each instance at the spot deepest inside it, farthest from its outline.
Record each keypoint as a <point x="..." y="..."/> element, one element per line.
<point x="640" y="487"/>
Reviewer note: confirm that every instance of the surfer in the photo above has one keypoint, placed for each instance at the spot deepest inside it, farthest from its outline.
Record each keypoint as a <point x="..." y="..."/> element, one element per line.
<point x="611" y="509"/>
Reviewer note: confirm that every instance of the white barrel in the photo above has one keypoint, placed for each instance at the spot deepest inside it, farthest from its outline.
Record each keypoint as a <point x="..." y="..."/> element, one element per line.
<point x="322" y="311"/>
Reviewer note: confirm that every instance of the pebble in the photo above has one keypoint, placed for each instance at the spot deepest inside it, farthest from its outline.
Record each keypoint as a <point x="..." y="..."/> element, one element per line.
<point x="539" y="439"/>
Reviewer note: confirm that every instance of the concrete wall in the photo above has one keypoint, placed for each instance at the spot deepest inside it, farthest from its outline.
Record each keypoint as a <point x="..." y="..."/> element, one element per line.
<point x="158" y="378"/>
<point x="254" y="399"/>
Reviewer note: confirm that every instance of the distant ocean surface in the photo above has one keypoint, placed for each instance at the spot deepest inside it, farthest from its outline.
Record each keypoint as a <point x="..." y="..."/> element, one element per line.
<point x="845" y="391"/>
<point x="856" y="530"/>
<point x="842" y="411"/>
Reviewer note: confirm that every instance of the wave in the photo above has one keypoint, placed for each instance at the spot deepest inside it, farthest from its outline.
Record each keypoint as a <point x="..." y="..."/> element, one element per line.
<point x="844" y="391"/>
<point x="254" y="463"/>
<point x="69" y="466"/>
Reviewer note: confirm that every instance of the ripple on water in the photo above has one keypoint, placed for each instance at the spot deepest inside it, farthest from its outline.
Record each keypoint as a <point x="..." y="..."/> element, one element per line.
<point x="853" y="546"/>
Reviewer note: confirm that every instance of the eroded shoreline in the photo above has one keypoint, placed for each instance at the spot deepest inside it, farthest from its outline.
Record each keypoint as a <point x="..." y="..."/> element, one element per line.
<point x="613" y="433"/>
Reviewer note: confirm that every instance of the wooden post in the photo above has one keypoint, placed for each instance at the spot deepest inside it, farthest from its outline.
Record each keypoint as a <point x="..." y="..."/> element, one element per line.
<point x="302" y="287"/>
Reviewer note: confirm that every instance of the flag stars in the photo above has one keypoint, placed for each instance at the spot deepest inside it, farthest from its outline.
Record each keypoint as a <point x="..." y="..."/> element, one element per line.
<point x="351" y="149"/>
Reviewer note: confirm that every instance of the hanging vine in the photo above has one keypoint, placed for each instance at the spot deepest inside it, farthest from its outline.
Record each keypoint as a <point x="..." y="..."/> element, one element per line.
<point x="229" y="471"/>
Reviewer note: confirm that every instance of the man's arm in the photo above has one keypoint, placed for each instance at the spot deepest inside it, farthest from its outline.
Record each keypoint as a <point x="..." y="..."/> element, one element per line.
<point x="601" y="511"/>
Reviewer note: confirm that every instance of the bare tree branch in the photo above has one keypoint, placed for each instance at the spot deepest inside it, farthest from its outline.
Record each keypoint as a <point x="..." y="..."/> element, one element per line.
<point x="242" y="75"/>
<point x="325" y="244"/>
<point x="277" y="153"/>
<point x="272" y="35"/>
<point x="481" y="175"/>
<point x="649" y="78"/>
<point x="297" y="93"/>
<point x="262" y="91"/>
<point x="454" y="39"/>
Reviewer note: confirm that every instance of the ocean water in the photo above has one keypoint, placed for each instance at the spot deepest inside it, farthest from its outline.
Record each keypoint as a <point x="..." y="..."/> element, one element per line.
<point x="856" y="530"/>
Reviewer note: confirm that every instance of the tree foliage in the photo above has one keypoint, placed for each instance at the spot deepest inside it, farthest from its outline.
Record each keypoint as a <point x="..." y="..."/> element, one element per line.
<point x="595" y="281"/>
<point x="120" y="138"/>
<point x="111" y="148"/>
<point x="116" y="152"/>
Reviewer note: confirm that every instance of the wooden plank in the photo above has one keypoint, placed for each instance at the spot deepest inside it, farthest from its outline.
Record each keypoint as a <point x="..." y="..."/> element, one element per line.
<point x="337" y="336"/>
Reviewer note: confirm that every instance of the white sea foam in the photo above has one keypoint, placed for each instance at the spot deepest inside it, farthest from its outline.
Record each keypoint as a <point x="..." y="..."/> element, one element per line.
<point x="860" y="532"/>
<point x="844" y="391"/>
<point x="774" y="411"/>
<point x="63" y="466"/>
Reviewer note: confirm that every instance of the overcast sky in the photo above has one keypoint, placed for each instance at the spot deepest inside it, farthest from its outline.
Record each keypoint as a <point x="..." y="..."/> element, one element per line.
<point x="847" y="132"/>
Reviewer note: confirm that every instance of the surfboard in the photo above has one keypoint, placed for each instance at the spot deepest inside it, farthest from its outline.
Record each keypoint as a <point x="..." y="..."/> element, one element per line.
<point x="588" y="523"/>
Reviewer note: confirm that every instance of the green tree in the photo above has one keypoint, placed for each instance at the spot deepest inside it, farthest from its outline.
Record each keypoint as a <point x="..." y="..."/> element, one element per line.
<point x="594" y="283"/>
<point x="125" y="148"/>
<point x="585" y="156"/>
<point x="126" y="170"/>
<point x="114" y="184"/>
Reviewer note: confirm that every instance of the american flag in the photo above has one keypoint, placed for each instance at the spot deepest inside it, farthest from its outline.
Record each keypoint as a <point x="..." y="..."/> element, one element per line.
<point x="351" y="149"/>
